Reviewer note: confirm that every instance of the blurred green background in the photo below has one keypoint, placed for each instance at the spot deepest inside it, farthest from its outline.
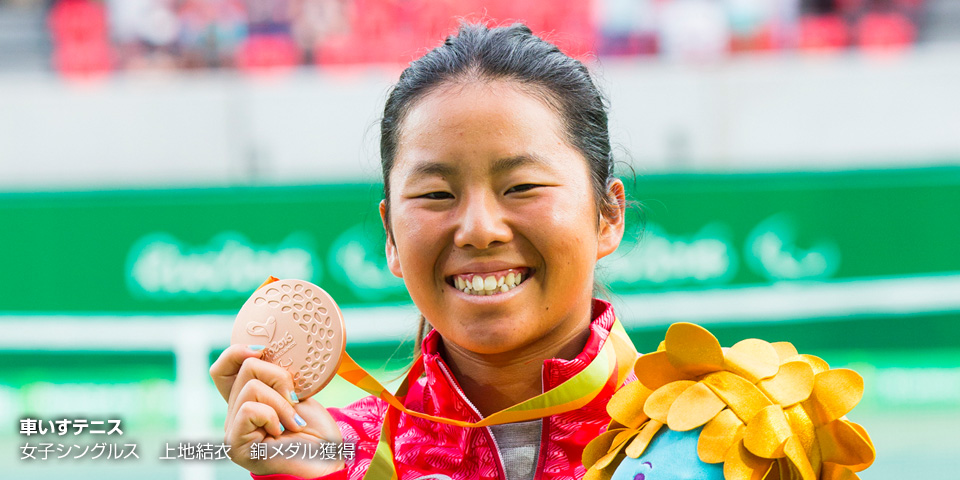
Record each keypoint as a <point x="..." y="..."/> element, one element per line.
<point x="122" y="317"/>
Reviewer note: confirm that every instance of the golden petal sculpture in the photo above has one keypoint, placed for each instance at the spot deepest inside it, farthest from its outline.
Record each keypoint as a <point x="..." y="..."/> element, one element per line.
<point x="766" y="410"/>
<point x="657" y="405"/>
<point x="626" y="406"/>
<point x="718" y="435"/>
<point x="693" y="408"/>
<point x="640" y="442"/>
<point x="654" y="370"/>
<point x="693" y="351"/>
<point x="792" y="384"/>
<point x="835" y="393"/>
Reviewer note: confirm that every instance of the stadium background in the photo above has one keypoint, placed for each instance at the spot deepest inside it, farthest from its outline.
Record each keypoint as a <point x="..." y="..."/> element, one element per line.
<point x="797" y="162"/>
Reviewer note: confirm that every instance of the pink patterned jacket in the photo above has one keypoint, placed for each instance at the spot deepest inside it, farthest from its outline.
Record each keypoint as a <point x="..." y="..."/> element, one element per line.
<point x="423" y="448"/>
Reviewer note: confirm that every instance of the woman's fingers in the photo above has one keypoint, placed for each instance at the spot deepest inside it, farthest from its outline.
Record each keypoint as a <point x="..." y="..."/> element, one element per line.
<point x="261" y="404"/>
<point x="245" y="428"/>
<point x="224" y="370"/>
<point x="255" y="421"/>
<point x="256" y="392"/>
<point x="273" y="375"/>
<point x="319" y="421"/>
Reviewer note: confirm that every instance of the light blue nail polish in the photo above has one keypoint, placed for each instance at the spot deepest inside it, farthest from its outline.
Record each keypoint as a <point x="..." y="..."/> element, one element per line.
<point x="256" y="348"/>
<point x="300" y="421"/>
<point x="281" y="428"/>
<point x="293" y="397"/>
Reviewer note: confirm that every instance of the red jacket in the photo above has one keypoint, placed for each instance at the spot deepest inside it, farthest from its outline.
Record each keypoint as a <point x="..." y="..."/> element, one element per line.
<point x="423" y="447"/>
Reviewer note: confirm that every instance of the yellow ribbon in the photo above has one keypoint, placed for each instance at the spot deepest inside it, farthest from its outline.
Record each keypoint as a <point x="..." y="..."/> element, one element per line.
<point x="617" y="354"/>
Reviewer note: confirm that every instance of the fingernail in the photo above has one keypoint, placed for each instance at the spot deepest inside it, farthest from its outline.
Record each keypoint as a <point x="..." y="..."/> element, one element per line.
<point x="256" y="348"/>
<point x="300" y="421"/>
<point x="293" y="397"/>
<point x="281" y="428"/>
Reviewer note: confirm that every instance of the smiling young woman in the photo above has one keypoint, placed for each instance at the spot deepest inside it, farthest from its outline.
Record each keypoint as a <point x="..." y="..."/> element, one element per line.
<point x="499" y="199"/>
<point x="485" y="184"/>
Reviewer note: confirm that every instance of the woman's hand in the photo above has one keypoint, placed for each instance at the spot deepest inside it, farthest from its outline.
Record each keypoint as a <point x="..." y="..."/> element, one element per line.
<point x="261" y="408"/>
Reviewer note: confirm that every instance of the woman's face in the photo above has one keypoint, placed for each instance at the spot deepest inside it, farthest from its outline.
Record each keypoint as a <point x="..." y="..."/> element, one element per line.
<point x="486" y="191"/>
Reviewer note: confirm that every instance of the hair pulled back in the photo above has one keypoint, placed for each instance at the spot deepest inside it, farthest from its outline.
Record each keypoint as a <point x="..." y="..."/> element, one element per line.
<point x="477" y="53"/>
<point x="514" y="53"/>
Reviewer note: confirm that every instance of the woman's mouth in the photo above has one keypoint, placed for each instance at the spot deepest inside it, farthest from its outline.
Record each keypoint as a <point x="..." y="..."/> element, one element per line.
<point x="489" y="283"/>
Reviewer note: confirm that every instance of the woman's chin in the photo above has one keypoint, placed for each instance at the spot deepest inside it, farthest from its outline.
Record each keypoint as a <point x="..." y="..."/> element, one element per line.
<point x="488" y="341"/>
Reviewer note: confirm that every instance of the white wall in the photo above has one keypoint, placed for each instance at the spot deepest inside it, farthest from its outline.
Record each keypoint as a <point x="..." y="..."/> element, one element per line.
<point x="749" y="113"/>
<point x="791" y="112"/>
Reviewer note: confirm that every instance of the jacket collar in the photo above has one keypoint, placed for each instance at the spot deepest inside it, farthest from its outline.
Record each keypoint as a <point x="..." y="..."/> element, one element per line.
<point x="442" y="395"/>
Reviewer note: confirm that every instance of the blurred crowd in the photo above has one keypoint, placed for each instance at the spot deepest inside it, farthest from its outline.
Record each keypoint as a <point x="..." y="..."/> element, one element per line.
<point x="711" y="29"/>
<point x="105" y="35"/>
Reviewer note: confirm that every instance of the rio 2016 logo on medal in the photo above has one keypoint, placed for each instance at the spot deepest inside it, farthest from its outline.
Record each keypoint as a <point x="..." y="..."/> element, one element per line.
<point x="301" y="328"/>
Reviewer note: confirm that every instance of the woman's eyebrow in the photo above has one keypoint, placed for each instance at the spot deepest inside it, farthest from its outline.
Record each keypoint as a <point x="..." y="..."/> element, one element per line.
<point x="510" y="163"/>
<point x="432" y="169"/>
<point x="429" y="168"/>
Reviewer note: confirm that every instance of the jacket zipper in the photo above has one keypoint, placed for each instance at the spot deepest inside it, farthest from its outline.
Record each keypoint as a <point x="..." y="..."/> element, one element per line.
<point x="501" y="471"/>
<point x="544" y="426"/>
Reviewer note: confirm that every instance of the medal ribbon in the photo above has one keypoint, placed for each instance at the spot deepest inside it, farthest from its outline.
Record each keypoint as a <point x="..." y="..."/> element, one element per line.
<point x="617" y="355"/>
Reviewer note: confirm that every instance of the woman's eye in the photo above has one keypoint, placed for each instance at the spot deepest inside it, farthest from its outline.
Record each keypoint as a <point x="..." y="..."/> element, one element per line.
<point x="522" y="188"/>
<point x="437" y="196"/>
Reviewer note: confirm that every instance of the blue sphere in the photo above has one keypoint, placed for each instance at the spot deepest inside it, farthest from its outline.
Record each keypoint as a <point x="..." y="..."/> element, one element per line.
<point x="670" y="456"/>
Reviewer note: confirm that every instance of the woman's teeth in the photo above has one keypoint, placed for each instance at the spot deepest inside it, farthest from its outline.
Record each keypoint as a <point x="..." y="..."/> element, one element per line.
<point x="489" y="285"/>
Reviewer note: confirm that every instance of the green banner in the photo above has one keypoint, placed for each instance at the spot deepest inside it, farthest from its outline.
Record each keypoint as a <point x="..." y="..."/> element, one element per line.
<point x="205" y="250"/>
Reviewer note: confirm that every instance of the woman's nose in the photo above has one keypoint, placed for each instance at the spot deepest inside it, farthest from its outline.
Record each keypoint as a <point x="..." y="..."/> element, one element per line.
<point x="481" y="223"/>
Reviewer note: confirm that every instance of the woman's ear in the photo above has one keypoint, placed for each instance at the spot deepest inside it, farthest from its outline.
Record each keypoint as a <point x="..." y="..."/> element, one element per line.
<point x="393" y="260"/>
<point x="612" y="215"/>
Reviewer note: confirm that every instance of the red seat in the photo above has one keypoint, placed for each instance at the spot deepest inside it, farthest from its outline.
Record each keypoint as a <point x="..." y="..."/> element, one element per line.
<point x="82" y="59"/>
<point x="267" y="52"/>
<point x="77" y="20"/>
<point x="81" y="45"/>
<point x="885" y="31"/>
<point x="823" y="32"/>
<point x="334" y="50"/>
<point x="382" y="31"/>
<point x="761" y="40"/>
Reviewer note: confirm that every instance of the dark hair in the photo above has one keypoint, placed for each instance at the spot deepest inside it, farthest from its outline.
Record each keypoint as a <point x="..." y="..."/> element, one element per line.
<point x="514" y="53"/>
